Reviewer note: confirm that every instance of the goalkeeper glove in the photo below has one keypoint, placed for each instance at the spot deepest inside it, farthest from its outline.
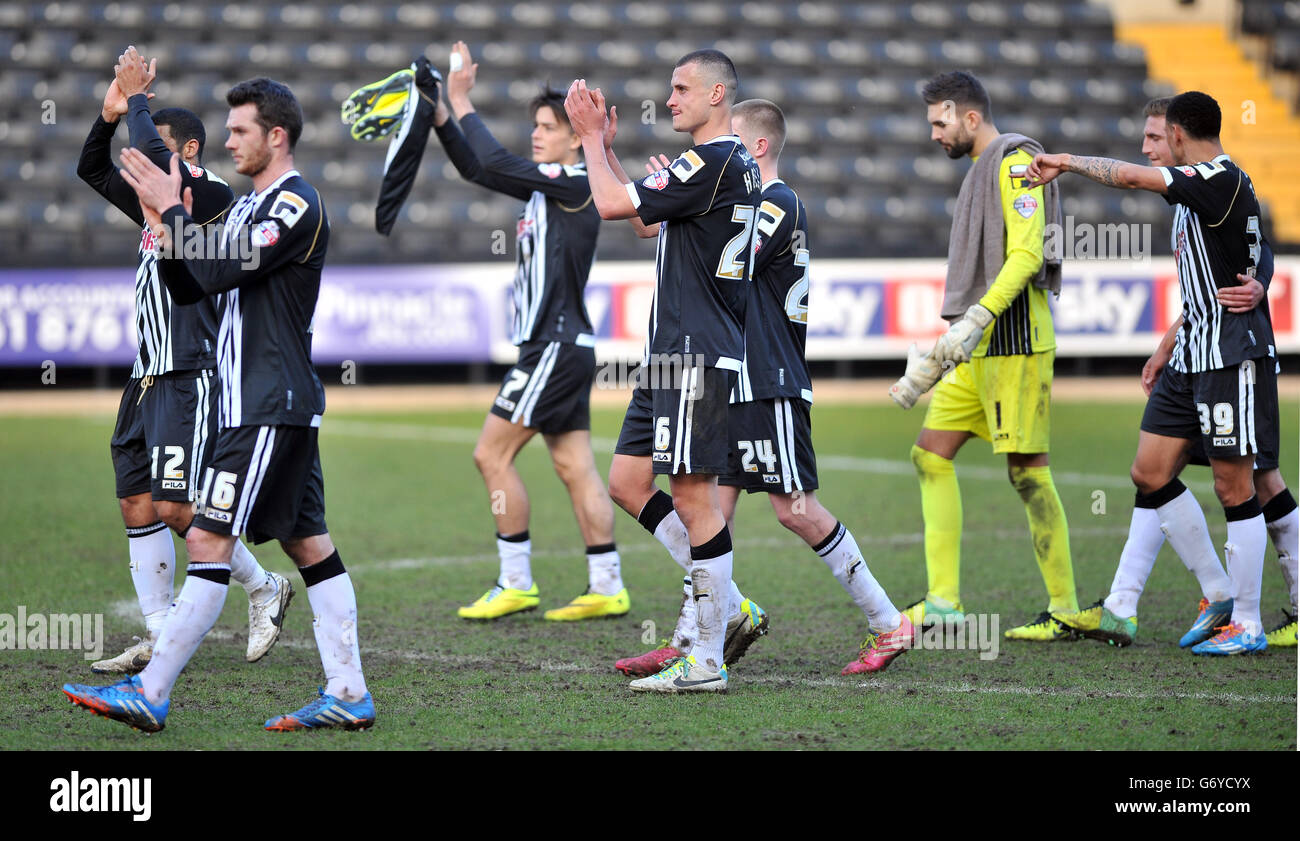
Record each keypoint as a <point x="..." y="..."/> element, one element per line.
<point x="376" y="109"/>
<point x="963" y="336"/>
<point x="923" y="371"/>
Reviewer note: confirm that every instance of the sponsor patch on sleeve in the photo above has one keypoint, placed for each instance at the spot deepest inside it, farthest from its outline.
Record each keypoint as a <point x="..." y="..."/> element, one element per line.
<point x="687" y="165"/>
<point x="656" y="180"/>
<point x="1025" y="205"/>
<point x="1018" y="173"/>
<point x="267" y="233"/>
<point x="288" y="208"/>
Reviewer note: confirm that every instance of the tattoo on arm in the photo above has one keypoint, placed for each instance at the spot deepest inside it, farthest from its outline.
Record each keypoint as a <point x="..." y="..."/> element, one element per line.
<point x="1102" y="170"/>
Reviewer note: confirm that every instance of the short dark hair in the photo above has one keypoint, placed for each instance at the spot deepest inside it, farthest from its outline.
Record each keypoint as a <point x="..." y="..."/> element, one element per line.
<point x="765" y="116"/>
<point x="1197" y="113"/>
<point x="276" y="105"/>
<point x="961" y="87"/>
<point x="185" y="126"/>
<point x="1157" y="107"/>
<point x="551" y="98"/>
<point x="716" y="64"/>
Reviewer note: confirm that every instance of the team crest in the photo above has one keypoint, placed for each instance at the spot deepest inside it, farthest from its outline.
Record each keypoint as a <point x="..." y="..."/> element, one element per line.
<point x="656" y="180"/>
<point x="1025" y="205"/>
<point x="196" y="171"/>
<point x="550" y="170"/>
<point x="267" y="233"/>
<point x="1187" y="170"/>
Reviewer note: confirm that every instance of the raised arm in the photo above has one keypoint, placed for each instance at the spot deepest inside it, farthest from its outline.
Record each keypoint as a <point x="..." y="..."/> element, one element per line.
<point x="134" y="78"/>
<point x="586" y="110"/>
<point x="607" y="136"/>
<point x="1107" y="171"/>
<point x="95" y="166"/>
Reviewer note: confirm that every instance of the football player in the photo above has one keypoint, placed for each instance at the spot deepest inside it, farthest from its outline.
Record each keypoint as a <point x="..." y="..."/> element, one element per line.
<point x="1220" y="384"/>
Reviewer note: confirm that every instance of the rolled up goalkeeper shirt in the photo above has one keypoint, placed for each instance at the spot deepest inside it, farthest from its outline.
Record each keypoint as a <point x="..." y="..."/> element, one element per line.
<point x="406" y="149"/>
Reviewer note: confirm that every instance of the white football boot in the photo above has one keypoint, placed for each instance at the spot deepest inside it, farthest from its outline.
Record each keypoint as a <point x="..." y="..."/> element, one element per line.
<point x="133" y="660"/>
<point x="266" y="618"/>
<point x="683" y="674"/>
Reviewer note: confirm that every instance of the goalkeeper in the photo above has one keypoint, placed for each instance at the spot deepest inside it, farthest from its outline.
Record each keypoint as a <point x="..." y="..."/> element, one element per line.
<point x="995" y="360"/>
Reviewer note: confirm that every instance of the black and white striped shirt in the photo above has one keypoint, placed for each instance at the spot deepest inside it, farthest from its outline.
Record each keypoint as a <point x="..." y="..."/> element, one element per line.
<point x="170" y="337"/>
<point x="269" y="281"/>
<point x="1216" y="236"/>
<point x="555" y="234"/>
<point x="707" y="204"/>
<point x="776" y="314"/>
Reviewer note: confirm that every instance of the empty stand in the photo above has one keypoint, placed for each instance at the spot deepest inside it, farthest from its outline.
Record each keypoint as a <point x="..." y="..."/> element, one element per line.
<point x="846" y="74"/>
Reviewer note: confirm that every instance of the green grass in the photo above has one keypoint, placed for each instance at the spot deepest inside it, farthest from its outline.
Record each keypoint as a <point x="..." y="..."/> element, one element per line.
<point x="410" y="516"/>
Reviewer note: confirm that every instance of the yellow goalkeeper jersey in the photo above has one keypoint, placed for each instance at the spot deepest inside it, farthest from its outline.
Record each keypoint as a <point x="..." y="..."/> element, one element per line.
<point x="1023" y="321"/>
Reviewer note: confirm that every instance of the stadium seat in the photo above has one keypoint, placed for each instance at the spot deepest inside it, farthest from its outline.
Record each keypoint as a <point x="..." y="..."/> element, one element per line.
<point x="847" y="75"/>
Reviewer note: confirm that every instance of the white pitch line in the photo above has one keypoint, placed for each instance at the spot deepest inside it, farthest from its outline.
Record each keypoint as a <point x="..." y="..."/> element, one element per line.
<point x="816" y="683"/>
<point x="844" y="463"/>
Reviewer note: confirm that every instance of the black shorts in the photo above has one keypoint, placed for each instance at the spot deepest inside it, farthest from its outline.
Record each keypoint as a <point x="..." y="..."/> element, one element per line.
<point x="164" y="433"/>
<point x="549" y="389"/>
<point x="682" y="429"/>
<point x="1230" y="411"/>
<point x="772" y="449"/>
<point x="264" y="482"/>
<point x="1266" y="460"/>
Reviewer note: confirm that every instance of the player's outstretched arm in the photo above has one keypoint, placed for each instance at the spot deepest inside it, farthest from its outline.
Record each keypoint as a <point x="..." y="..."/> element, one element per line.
<point x="1107" y="171"/>
<point x="586" y="110"/>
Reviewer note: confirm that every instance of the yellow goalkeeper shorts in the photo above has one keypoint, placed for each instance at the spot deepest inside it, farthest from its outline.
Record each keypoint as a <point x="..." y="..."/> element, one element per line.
<point x="1006" y="400"/>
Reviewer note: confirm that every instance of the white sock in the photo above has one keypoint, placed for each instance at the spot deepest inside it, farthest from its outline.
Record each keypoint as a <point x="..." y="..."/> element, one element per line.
<point x="195" y="612"/>
<point x="604" y="573"/>
<point x="671" y="532"/>
<point x="734" y="598"/>
<point x="1245" y="555"/>
<point x="711" y="585"/>
<point x="1135" y="562"/>
<point x="245" y="569"/>
<point x="840" y="552"/>
<point x="516" y="572"/>
<point x="1183" y="522"/>
<point x="153" y="572"/>
<point x="334" y="620"/>
<point x="1285" y="534"/>
<point x="686" y="632"/>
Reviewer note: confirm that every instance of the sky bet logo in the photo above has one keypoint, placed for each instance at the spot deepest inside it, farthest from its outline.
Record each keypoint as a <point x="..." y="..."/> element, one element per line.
<point x="123" y="794"/>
